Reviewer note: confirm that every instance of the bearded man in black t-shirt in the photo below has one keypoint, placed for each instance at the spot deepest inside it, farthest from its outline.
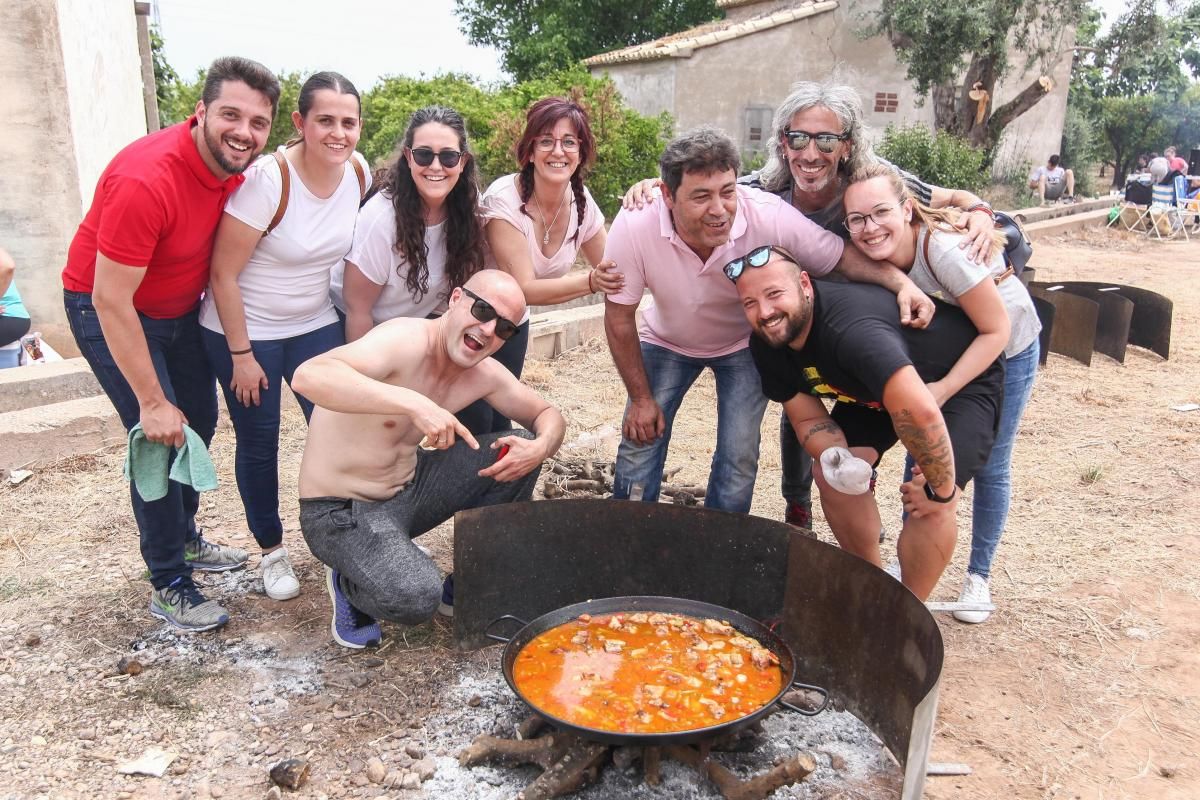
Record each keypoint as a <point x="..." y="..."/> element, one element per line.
<point x="844" y="342"/>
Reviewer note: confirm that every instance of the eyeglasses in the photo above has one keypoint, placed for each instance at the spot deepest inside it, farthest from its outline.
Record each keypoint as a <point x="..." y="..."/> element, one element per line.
<point x="484" y="311"/>
<point x="826" y="142"/>
<point x="424" y="156"/>
<point x="881" y="215"/>
<point x="546" y="143"/>
<point x="757" y="257"/>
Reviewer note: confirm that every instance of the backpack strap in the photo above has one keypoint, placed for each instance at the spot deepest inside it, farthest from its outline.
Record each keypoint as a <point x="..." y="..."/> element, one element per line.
<point x="362" y="179"/>
<point x="285" y="191"/>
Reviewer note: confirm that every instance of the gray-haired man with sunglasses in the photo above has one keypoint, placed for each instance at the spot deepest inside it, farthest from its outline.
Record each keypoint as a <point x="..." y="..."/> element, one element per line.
<point x="386" y="460"/>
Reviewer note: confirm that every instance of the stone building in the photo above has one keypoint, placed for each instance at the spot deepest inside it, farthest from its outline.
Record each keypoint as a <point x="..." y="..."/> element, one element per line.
<point x="72" y="93"/>
<point x="733" y="72"/>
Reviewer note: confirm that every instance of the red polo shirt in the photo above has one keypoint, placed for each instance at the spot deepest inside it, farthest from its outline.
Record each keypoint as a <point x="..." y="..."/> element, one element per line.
<point x="156" y="206"/>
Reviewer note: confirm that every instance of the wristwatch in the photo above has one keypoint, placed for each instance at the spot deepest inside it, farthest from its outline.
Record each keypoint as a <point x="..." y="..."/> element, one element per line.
<point x="937" y="498"/>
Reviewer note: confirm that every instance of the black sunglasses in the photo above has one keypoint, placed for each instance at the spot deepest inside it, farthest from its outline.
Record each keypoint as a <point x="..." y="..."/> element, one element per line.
<point x="424" y="157"/>
<point x="484" y="311"/>
<point x="826" y="142"/>
<point x="757" y="257"/>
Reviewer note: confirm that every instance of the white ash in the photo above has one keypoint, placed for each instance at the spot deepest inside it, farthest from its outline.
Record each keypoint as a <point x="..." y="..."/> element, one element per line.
<point x="864" y="760"/>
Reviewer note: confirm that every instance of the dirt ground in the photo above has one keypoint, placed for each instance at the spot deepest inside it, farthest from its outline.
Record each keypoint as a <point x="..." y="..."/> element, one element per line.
<point x="1084" y="684"/>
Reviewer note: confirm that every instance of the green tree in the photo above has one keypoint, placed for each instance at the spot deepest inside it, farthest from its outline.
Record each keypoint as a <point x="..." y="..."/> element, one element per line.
<point x="936" y="38"/>
<point x="940" y="158"/>
<point x="627" y="144"/>
<point x="544" y="37"/>
<point x="166" y="79"/>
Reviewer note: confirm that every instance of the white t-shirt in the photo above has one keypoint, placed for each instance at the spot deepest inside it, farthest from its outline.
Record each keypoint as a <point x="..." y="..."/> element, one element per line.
<point x="1054" y="176"/>
<point x="285" y="284"/>
<point x="502" y="200"/>
<point x="374" y="253"/>
<point x="952" y="274"/>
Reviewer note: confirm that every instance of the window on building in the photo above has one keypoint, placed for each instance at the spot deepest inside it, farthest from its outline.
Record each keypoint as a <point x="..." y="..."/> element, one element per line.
<point x="758" y="128"/>
<point x="886" y="102"/>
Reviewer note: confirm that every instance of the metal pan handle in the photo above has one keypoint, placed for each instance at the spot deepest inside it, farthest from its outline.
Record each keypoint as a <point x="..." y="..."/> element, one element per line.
<point x="488" y="628"/>
<point x="807" y="712"/>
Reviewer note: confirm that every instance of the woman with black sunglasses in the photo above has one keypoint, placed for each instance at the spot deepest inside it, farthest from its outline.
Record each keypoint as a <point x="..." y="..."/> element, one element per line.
<point x="420" y="236"/>
<point x="540" y="219"/>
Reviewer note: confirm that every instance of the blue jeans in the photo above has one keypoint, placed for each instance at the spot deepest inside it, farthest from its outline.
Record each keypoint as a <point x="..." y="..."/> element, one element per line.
<point x="256" y="464"/>
<point x="165" y="525"/>
<point x="993" y="483"/>
<point x="795" y="483"/>
<point x="740" y="406"/>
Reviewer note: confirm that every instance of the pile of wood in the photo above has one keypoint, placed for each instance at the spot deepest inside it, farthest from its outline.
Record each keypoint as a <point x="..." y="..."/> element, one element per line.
<point x="587" y="478"/>
<point x="569" y="762"/>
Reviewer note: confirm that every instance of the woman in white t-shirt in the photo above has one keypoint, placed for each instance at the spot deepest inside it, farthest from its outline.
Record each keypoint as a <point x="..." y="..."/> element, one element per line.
<point x="267" y="308"/>
<point x="888" y="225"/>
<point x="420" y="236"/>
<point x="540" y="219"/>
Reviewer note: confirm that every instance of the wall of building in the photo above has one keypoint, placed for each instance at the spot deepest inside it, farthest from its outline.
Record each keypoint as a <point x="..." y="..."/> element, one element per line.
<point x="68" y="107"/>
<point x="717" y="84"/>
<point x="103" y="71"/>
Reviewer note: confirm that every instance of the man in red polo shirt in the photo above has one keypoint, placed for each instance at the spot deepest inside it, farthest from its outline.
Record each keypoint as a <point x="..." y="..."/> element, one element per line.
<point x="135" y="271"/>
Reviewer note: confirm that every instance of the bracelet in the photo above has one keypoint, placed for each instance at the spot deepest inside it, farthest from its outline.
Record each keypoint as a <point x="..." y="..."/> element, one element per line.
<point x="241" y="352"/>
<point x="937" y="498"/>
<point x="591" y="272"/>
<point x="982" y="207"/>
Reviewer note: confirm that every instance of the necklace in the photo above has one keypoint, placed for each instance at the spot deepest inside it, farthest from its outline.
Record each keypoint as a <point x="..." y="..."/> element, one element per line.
<point x="542" y="214"/>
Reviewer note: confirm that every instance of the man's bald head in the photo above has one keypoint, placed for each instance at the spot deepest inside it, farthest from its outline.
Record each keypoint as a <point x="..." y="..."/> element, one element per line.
<point x="501" y="290"/>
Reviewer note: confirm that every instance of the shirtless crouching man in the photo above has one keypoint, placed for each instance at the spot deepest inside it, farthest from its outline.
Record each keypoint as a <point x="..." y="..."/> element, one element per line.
<point x="387" y="461"/>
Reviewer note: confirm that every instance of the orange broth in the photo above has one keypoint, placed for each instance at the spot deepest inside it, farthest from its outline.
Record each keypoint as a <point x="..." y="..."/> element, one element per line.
<point x="646" y="672"/>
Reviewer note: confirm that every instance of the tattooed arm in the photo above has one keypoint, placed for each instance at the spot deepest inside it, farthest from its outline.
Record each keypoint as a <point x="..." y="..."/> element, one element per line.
<point x="919" y="424"/>
<point x="813" y="425"/>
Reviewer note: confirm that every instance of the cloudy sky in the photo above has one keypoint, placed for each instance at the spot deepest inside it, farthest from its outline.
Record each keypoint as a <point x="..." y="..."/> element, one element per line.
<point x="363" y="39"/>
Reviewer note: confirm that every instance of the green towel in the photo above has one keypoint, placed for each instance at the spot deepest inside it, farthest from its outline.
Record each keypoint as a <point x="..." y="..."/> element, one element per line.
<point x="146" y="464"/>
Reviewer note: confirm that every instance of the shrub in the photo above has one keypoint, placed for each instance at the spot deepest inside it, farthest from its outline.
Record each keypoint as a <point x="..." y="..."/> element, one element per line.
<point x="941" y="159"/>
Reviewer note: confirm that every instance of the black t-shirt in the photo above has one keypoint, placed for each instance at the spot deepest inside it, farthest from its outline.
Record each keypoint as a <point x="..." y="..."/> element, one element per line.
<point x="857" y="344"/>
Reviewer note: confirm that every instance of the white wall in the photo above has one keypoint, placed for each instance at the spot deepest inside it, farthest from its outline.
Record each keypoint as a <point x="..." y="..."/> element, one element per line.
<point x="102" y="67"/>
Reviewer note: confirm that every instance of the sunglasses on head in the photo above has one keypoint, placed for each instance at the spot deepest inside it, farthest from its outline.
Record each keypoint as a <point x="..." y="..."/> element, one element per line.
<point x="757" y="257"/>
<point x="424" y="156"/>
<point x="484" y="311"/>
<point x="826" y="142"/>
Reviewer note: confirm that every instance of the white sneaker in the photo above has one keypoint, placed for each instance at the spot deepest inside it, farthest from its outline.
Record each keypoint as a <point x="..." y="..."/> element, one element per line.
<point x="278" y="579"/>
<point x="975" y="590"/>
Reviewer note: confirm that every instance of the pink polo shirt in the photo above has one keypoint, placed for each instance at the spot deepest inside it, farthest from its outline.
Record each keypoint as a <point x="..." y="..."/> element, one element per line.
<point x="696" y="311"/>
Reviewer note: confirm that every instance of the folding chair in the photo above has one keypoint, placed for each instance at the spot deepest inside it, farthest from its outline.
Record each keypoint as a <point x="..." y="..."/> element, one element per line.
<point x="1187" y="205"/>
<point x="1134" y="208"/>
<point x="1163" y="213"/>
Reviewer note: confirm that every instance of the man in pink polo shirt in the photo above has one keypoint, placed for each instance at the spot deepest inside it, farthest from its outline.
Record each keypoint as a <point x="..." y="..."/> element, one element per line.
<point x="676" y="247"/>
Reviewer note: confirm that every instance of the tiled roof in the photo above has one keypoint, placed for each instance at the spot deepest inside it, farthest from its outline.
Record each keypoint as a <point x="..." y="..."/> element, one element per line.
<point x="681" y="45"/>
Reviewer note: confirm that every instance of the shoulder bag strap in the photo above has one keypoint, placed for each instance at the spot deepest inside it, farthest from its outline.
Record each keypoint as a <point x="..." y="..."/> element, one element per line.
<point x="285" y="191"/>
<point x="362" y="178"/>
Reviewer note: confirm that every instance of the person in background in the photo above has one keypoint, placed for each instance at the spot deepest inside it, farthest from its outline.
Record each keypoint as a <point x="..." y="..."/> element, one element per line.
<point x="14" y="319"/>
<point x="267" y="310"/>
<point x="540" y="219"/>
<point x="891" y="228"/>
<point x="1175" y="163"/>
<point x="131" y="286"/>
<point x="420" y="235"/>
<point x="1052" y="182"/>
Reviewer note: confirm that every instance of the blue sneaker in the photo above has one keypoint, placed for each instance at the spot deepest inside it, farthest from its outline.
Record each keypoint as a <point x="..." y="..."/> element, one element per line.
<point x="349" y="626"/>
<point x="446" y="607"/>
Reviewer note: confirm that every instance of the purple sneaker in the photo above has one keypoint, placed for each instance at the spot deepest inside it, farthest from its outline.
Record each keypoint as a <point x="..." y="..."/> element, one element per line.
<point x="349" y="626"/>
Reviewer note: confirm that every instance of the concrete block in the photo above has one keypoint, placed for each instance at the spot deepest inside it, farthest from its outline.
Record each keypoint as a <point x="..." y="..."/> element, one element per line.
<point x="1028" y="216"/>
<point x="553" y="332"/>
<point x="42" y="384"/>
<point x="1052" y="227"/>
<point x="40" y="435"/>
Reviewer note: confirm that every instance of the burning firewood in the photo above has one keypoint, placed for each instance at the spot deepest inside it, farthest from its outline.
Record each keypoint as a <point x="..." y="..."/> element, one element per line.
<point x="760" y="787"/>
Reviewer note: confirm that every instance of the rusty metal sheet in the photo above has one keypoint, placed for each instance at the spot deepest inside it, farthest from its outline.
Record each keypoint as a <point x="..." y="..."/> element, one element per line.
<point x="527" y="559"/>
<point x="1075" y="320"/>
<point x="1113" y="322"/>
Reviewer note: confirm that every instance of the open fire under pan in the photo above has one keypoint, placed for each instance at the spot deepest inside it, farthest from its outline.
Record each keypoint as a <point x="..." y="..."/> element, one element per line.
<point x="853" y="629"/>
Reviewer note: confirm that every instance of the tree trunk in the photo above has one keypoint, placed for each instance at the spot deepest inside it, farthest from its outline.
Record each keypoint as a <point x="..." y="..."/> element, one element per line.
<point x="1002" y="116"/>
<point x="983" y="72"/>
<point x="945" y="117"/>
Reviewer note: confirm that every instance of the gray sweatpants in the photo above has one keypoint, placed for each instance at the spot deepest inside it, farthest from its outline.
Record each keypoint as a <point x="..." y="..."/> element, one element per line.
<point x="383" y="574"/>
